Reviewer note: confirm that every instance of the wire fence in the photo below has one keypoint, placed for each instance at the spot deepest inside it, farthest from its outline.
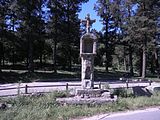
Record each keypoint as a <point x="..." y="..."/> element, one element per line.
<point x="66" y="87"/>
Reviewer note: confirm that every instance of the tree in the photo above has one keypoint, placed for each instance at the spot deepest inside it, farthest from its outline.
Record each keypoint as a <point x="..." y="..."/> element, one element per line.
<point x="72" y="29"/>
<point x="128" y="10"/>
<point x="4" y="33"/>
<point x="29" y="12"/>
<point x="141" y="28"/>
<point x="2" y="30"/>
<point x="103" y="8"/>
<point x="65" y="30"/>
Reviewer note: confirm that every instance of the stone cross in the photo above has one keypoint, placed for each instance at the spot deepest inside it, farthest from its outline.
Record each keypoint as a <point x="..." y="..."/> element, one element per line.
<point x="88" y="22"/>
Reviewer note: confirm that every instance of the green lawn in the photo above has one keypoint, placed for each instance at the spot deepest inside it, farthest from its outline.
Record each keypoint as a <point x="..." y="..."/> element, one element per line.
<point x="46" y="108"/>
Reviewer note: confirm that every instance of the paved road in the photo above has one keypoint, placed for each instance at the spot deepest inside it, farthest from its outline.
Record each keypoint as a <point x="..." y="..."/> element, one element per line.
<point x="137" y="115"/>
<point x="148" y="114"/>
<point x="37" y="86"/>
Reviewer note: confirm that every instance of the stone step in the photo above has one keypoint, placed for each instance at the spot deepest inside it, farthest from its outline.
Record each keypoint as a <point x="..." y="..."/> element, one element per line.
<point x="92" y="93"/>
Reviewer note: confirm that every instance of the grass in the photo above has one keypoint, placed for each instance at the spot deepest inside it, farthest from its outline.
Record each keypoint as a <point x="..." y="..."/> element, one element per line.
<point x="46" y="108"/>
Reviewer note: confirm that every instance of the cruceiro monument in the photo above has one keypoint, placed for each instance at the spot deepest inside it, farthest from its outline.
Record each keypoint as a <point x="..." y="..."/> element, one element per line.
<point x="88" y="44"/>
<point x="88" y="94"/>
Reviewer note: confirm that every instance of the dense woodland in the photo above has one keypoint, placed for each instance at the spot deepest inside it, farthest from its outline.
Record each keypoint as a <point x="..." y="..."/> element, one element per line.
<point x="37" y="33"/>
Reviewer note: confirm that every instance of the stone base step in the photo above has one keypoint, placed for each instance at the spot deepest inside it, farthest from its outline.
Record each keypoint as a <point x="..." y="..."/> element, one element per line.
<point x="85" y="101"/>
<point x="92" y="93"/>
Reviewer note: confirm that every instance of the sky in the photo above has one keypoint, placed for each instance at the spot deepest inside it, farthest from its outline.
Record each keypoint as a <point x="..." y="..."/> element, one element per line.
<point x="88" y="8"/>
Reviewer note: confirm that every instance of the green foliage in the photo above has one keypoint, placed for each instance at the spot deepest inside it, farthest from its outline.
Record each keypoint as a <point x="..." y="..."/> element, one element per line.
<point x="64" y="31"/>
<point x="123" y="92"/>
<point x="26" y="25"/>
<point x="30" y="34"/>
<point x="104" y="9"/>
<point x="132" y="25"/>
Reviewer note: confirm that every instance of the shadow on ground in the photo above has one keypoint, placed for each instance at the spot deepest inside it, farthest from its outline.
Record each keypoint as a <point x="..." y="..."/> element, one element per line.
<point x="41" y="75"/>
<point x="13" y="77"/>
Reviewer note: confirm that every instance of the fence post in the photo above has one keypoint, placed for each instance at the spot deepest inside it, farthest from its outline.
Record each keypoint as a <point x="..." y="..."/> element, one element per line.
<point x="99" y="85"/>
<point x="127" y="84"/>
<point x="66" y="86"/>
<point x="150" y="82"/>
<point x="18" y="89"/>
<point x="26" y="89"/>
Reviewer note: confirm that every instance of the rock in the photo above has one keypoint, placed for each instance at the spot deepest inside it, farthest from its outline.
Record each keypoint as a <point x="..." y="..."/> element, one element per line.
<point x="36" y="95"/>
<point x="33" y="95"/>
<point x="153" y="88"/>
<point x="139" y="91"/>
<point x="3" y="106"/>
<point x="106" y="95"/>
<point x="9" y="105"/>
<point x="91" y="93"/>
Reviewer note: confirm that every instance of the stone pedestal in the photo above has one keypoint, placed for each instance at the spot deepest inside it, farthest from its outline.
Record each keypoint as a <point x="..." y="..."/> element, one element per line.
<point x="88" y="97"/>
<point x="87" y="54"/>
<point x="87" y="71"/>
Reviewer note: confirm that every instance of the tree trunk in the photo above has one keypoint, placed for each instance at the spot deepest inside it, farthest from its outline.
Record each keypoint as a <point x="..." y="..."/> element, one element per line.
<point x="0" y="63"/>
<point x="30" y="56"/>
<point x="13" y="58"/>
<point x="40" y="60"/>
<point x="125" y="63"/>
<point x="1" y="57"/>
<point x="54" y="50"/>
<point x="106" y="45"/>
<point x="144" y="62"/>
<point x="125" y="60"/>
<point x="70" y="59"/>
<point x="69" y="36"/>
<point x="144" y="57"/>
<point x="27" y="60"/>
<point x="30" y="43"/>
<point x="152" y="63"/>
<point x="131" y="61"/>
<point x="118" y="64"/>
<point x="13" y="52"/>
<point x="140" y="63"/>
<point x="106" y="62"/>
<point x="157" y="63"/>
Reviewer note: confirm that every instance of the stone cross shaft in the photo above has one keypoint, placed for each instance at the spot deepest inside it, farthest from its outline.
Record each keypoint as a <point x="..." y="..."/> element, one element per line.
<point x="88" y="22"/>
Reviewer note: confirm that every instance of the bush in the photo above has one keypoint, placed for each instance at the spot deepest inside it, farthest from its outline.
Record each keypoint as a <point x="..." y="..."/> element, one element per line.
<point x="123" y="92"/>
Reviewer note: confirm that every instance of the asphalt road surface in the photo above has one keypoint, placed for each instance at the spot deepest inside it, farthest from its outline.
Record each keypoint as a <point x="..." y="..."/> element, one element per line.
<point x="147" y="114"/>
<point x="12" y="89"/>
<point x="153" y="114"/>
